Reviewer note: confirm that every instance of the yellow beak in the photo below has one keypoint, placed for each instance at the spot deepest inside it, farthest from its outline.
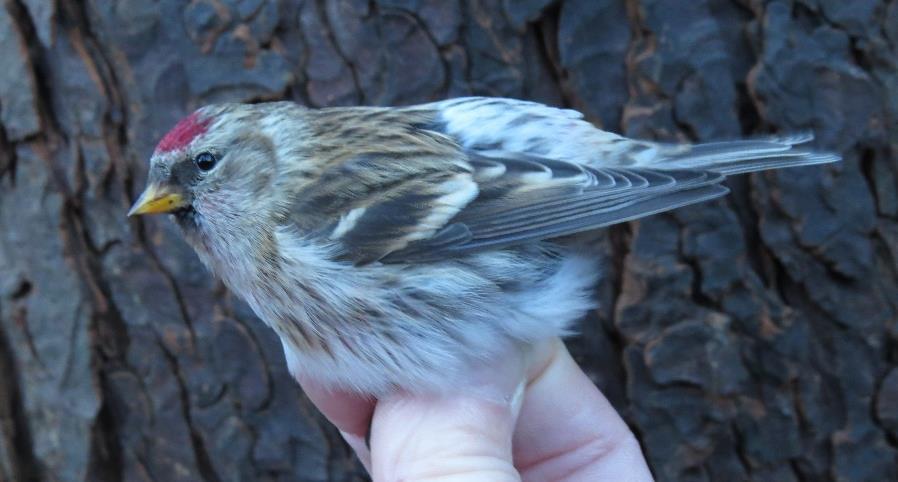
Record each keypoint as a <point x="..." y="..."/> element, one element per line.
<point x="157" y="199"/>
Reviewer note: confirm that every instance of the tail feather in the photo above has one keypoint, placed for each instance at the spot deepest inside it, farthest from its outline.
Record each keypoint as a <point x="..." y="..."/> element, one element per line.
<point x="736" y="157"/>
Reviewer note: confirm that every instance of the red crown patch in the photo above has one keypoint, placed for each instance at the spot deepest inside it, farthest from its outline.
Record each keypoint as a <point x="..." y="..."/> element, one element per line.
<point x="183" y="133"/>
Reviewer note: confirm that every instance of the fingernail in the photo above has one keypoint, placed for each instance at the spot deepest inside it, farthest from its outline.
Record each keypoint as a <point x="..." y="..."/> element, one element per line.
<point x="360" y="448"/>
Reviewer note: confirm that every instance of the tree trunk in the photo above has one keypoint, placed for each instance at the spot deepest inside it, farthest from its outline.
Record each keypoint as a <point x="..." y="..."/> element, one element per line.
<point x="752" y="338"/>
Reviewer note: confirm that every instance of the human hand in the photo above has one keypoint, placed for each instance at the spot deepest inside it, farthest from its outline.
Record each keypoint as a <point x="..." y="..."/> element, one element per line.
<point x="535" y="417"/>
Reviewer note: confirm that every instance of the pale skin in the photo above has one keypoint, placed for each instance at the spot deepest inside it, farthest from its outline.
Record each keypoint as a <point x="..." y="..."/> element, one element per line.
<point x="531" y="417"/>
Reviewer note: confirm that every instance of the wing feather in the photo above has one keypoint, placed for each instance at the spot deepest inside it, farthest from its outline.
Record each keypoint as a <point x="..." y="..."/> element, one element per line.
<point x="477" y="201"/>
<point x="579" y="199"/>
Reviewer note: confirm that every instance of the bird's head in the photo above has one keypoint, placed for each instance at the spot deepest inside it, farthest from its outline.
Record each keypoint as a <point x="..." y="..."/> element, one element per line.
<point x="217" y="162"/>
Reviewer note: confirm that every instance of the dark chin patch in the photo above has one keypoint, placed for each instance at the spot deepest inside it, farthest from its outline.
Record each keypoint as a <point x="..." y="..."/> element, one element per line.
<point x="185" y="217"/>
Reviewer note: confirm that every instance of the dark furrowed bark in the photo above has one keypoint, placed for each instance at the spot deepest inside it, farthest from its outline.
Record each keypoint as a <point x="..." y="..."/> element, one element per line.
<point x="751" y="338"/>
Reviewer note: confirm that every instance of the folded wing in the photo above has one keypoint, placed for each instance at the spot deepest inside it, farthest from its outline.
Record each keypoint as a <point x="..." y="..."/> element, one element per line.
<point x="485" y="202"/>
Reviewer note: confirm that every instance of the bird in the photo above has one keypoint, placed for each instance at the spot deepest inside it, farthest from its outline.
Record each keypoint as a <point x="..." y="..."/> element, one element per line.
<point x="397" y="248"/>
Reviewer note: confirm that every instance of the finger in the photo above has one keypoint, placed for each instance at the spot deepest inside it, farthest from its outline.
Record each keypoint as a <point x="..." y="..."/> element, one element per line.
<point x="462" y="436"/>
<point x="568" y="431"/>
<point x="350" y="412"/>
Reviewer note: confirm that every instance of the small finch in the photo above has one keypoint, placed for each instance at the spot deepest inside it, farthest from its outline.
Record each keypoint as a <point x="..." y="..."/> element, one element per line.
<point x="396" y="248"/>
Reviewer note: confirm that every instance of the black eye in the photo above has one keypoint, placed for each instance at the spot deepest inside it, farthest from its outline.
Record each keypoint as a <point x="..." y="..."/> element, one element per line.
<point x="205" y="161"/>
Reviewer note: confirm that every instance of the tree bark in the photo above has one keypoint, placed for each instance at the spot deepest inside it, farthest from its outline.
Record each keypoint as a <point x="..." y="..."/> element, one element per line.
<point x="752" y="338"/>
